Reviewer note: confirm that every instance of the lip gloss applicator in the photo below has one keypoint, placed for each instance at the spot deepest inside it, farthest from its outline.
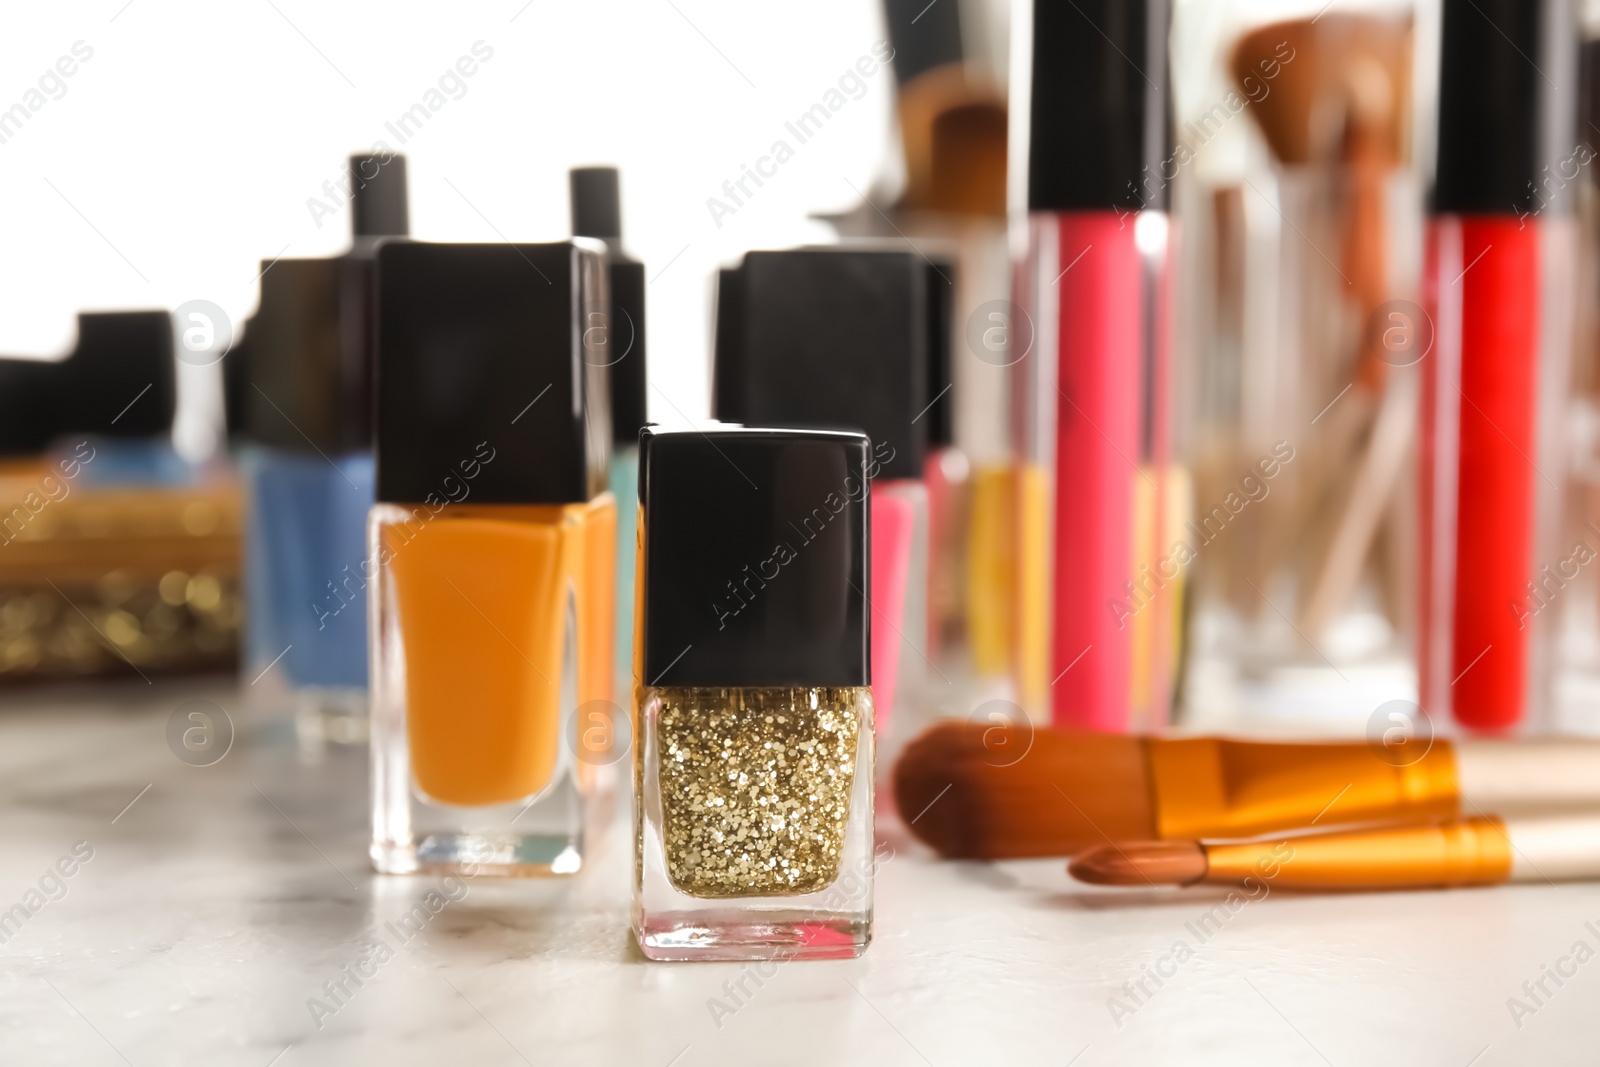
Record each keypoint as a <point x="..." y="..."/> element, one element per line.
<point x="1091" y="405"/>
<point x="1499" y="263"/>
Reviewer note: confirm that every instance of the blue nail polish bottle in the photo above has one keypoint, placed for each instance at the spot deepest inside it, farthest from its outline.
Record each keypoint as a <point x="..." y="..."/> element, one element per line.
<point x="308" y="471"/>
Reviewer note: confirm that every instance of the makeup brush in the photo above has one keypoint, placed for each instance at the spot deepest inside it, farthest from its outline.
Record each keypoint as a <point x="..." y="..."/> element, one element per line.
<point x="1482" y="850"/>
<point x="995" y="791"/>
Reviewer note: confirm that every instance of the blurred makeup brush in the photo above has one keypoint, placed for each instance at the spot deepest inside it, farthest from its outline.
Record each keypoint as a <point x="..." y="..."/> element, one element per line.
<point x="1483" y="850"/>
<point x="980" y="791"/>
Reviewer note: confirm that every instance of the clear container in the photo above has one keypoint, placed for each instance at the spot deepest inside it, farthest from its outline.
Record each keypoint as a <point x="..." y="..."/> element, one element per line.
<point x="306" y="572"/>
<point x="491" y="627"/>
<point x="753" y="823"/>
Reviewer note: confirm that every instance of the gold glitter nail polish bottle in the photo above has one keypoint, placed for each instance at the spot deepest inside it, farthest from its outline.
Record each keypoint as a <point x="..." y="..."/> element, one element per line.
<point x="753" y="772"/>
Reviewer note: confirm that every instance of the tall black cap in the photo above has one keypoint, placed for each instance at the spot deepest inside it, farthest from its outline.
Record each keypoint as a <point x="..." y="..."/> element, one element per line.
<point x="487" y="348"/>
<point x="596" y="208"/>
<point x="1101" y="122"/>
<point x="380" y="202"/>
<point x="755" y="557"/>
<point x="596" y="213"/>
<point x="30" y="395"/>
<point x="310" y="370"/>
<point x="834" y="338"/>
<point x="941" y="413"/>
<point x="626" y="337"/>
<point x="728" y="362"/>
<point x="1499" y="116"/>
<point x="121" y="379"/>
<point x="923" y="35"/>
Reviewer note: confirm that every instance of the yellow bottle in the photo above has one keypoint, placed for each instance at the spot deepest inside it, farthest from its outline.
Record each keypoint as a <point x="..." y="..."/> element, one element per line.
<point x="493" y="543"/>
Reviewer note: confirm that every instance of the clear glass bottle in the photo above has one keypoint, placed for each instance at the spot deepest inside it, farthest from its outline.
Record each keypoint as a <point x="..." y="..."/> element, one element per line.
<point x="753" y="775"/>
<point x="494" y="539"/>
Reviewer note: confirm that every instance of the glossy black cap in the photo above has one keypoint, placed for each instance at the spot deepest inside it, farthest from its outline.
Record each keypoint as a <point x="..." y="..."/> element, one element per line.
<point x="755" y="558"/>
<point x="923" y="35"/>
<point x="121" y="380"/>
<point x="482" y="347"/>
<point x="29" y="394"/>
<point x="596" y="205"/>
<point x="1100" y="119"/>
<point x="1499" y="118"/>
<point x="832" y="338"/>
<point x="941" y="413"/>
<point x="310" y="370"/>
<point x="379" y="206"/>
<point x="629" y="385"/>
<point x="728" y="362"/>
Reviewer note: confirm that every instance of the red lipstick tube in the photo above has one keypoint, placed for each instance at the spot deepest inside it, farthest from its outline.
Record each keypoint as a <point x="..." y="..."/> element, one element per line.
<point x="1500" y="246"/>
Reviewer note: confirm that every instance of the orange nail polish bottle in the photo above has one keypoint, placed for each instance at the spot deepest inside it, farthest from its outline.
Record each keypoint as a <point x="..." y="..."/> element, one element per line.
<point x="491" y="542"/>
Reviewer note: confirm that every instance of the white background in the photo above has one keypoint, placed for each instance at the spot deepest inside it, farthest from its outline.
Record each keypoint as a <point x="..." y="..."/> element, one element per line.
<point x="184" y="152"/>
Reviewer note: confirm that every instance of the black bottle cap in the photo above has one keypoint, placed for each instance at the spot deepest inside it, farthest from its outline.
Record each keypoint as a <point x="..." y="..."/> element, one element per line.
<point x="596" y="210"/>
<point x="121" y="379"/>
<point x="485" y="349"/>
<point x="923" y="35"/>
<point x="309" y="387"/>
<point x="1101" y="123"/>
<point x="833" y="338"/>
<point x="941" y="412"/>
<point x="1498" y="115"/>
<point x="727" y="374"/>
<point x="30" y="393"/>
<point x="379" y="205"/>
<point x="629" y="407"/>
<point x="755" y="560"/>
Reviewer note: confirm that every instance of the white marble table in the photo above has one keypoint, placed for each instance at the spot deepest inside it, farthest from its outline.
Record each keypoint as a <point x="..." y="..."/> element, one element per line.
<point x="224" y="898"/>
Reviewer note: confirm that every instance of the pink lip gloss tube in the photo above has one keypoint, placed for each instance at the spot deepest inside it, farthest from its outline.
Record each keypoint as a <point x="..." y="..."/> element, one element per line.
<point x="1098" y="585"/>
<point x="838" y="338"/>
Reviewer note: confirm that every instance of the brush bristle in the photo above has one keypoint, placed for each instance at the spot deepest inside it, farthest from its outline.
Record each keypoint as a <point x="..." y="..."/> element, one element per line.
<point x="1141" y="863"/>
<point x="980" y="791"/>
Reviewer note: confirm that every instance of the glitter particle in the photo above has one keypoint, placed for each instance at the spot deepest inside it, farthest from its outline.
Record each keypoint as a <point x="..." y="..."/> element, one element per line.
<point x="756" y="787"/>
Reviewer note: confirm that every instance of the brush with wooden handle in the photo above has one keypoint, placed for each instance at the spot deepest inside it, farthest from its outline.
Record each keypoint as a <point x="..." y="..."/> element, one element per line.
<point x="1477" y="851"/>
<point x="980" y="791"/>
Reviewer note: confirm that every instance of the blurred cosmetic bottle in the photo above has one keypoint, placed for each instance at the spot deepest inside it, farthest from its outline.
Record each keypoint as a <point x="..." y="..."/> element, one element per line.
<point x="308" y="470"/>
<point x="1498" y="386"/>
<point x="1096" y="500"/>
<point x="951" y="67"/>
<point x="597" y="213"/>
<point x="753" y="776"/>
<point x="118" y="390"/>
<point x="117" y="555"/>
<point x="494" y="542"/>
<point x="838" y="338"/>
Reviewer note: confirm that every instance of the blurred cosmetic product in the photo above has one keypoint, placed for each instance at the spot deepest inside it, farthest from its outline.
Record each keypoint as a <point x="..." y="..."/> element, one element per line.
<point x="1304" y="415"/>
<point x="839" y="338"/>
<point x="494" y="542"/>
<point x="308" y="469"/>
<point x="117" y="557"/>
<point x="597" y="213"/>
<point x="950" y="65"/>
<point x="1097" y="501"/>
<point x="1497" y="387"/>
<point x="753" y="775"/>
<point x="1480" y="850"/>
<point x="1014" y="790"/>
